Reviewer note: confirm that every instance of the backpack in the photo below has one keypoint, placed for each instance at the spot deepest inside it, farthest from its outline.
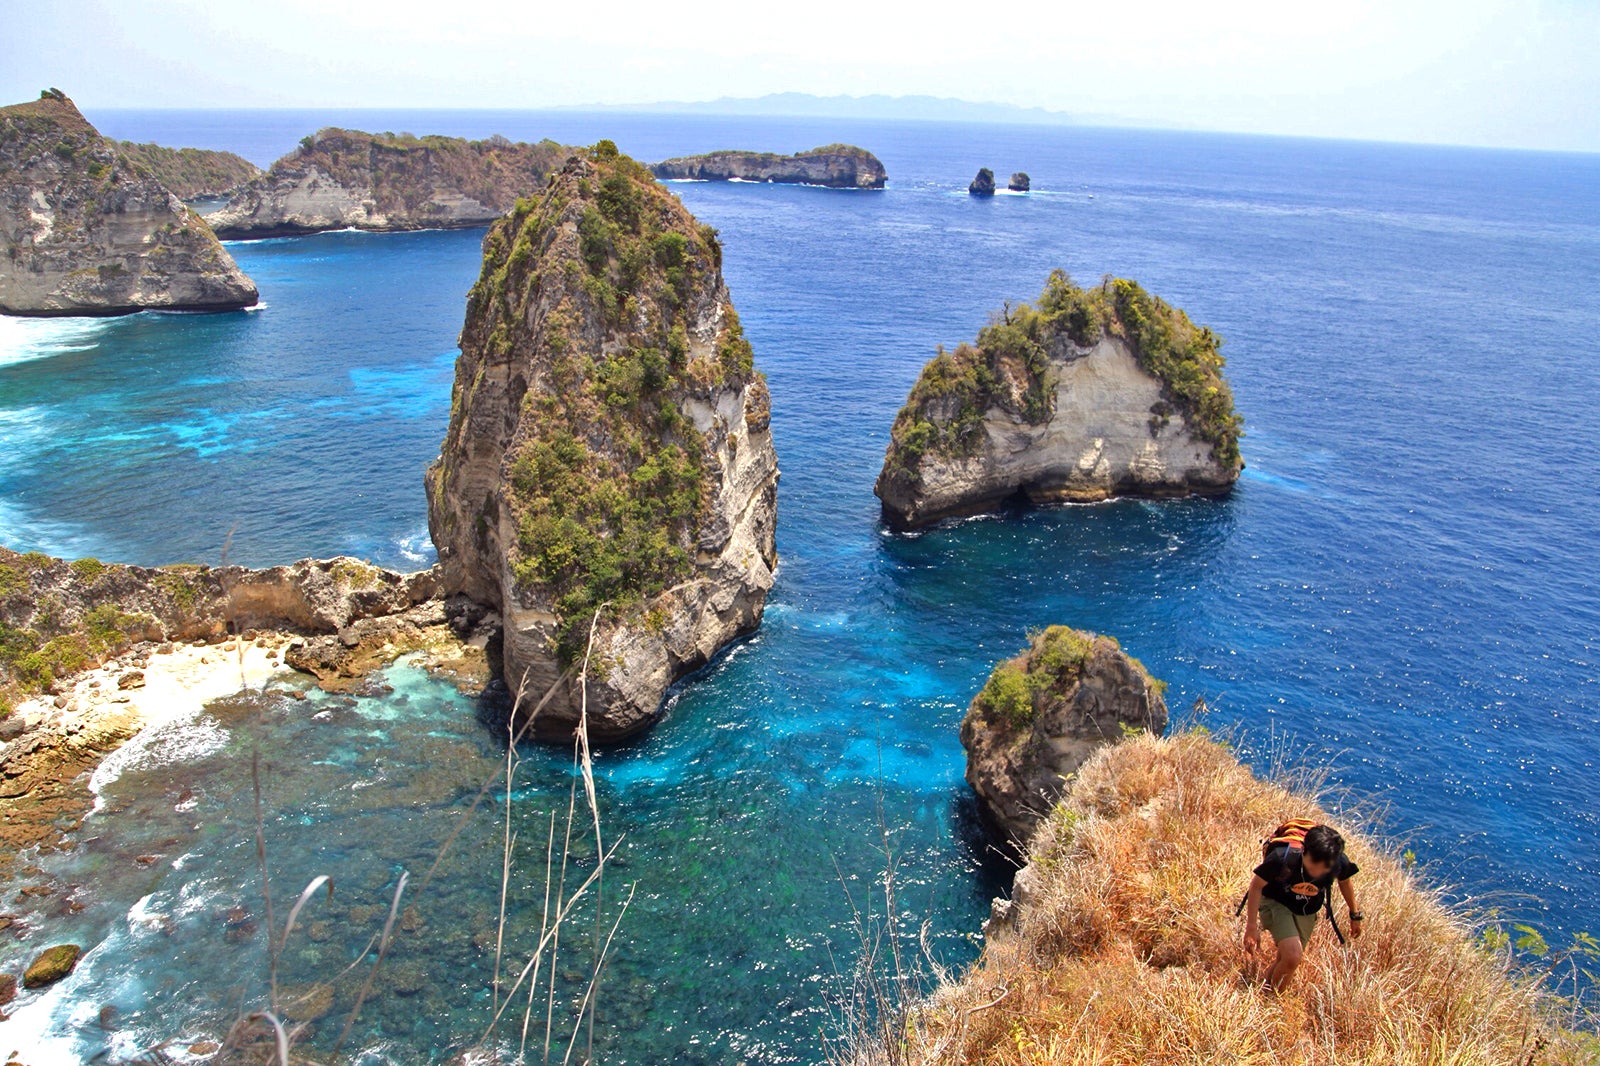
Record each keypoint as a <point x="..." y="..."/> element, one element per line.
<point x="1291" y="836"/>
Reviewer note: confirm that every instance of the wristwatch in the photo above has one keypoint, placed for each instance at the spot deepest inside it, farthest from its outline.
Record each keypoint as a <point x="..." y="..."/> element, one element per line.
<point x="1355" y="916"/>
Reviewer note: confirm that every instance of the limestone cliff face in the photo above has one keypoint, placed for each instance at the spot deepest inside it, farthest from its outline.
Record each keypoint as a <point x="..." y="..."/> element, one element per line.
<point x="1092" y="394"/>
<point x="339" y="179"/>
<point x="84" y="232"/>
<point x="608" y="448"/>
<point x="839" y="166"/>
<point x="1041" y="715"/>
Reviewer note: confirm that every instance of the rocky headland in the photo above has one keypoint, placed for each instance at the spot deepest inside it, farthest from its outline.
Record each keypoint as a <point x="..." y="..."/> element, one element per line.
<point x="343" y="179"/>
<point x="1087" y="395"/>
<point x="190" y="173"/>
<point x="837" y="166"/>
<point x="1041" y="715"/>
<point x="609" y="448"/>
<point x="91" y="652"/>
<point x="85" y="231"/>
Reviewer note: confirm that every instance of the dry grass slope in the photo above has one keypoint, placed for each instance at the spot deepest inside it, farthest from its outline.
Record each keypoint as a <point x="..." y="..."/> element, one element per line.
<point x="1125" y="948"/>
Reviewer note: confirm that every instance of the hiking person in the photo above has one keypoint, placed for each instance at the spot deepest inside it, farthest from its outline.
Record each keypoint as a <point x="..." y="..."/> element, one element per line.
<point x="1300" y="863"/>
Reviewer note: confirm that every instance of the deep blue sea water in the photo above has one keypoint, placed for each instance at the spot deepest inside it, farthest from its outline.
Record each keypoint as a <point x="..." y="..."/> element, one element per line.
<point x="1403" y="587"/>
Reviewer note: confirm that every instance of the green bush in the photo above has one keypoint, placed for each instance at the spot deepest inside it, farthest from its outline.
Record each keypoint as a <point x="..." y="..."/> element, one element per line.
<point x="1008" y="694"/>
<point x="88" y="568"/>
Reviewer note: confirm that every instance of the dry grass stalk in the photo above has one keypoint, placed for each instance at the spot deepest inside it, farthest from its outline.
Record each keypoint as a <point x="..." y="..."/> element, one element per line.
<point x="1125" y="948"/>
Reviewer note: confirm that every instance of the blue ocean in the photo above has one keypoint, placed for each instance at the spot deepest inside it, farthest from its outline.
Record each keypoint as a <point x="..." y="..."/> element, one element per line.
<point x="1402" y="591"/>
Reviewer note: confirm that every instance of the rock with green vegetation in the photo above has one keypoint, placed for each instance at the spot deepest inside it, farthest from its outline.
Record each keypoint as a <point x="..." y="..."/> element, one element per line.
<point x="84" y="231"/>
<point x="51" y="966"/>
<point x="1040" y="715"/>
<point x="190" y="173"/>
<point x="58" y="618"/>
<point x="983" y="184"/>
<point x="1086" y="395"/>
<point x="837" y="166"/>
<point x="342" y="179"/>
<point x="608" y="449"/>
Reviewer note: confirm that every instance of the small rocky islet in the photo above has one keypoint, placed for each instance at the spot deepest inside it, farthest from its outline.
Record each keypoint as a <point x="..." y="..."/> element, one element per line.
<point x="87" y="230"/>
<point x="1085" y="395"/>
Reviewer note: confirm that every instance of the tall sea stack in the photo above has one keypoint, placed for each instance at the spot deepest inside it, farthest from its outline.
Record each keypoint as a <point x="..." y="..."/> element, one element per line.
<point x="608" y="448"/>
<point x="84" y="231"/>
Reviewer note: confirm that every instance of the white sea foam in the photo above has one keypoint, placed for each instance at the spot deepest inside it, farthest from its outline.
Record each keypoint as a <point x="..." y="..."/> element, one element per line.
<point x="163" y="745"/>
<point x="26" y="339"/>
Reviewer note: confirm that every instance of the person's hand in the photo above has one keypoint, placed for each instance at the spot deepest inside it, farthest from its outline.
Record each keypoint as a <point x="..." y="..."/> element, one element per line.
<point x="1252" y="939"/>
<point x="1355" y="928"/>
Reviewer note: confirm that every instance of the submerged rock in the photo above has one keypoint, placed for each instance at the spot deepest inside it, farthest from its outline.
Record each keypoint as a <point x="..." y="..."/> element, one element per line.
<point x="839" y="166"/>
<point x="983" y="184"/>
<point x="1090" y="394"/>
<point x="1019" y="182"/>
<point x="83" y="231"/>
<point x="1041" y="714"/>
<point x="51" y="965"/>
<point x="608" y="449"/>
<point x="341" y="179"/>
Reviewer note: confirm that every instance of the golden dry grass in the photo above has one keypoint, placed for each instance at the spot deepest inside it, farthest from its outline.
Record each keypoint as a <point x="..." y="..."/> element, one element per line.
<point x="1125" y="947"/>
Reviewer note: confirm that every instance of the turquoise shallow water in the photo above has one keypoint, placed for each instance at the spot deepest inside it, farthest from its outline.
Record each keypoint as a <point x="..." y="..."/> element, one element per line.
<point x="1403" y="585"/>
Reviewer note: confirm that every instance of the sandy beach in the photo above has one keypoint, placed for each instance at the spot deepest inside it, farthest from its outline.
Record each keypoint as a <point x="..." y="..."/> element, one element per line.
<point x="45" y="773"/>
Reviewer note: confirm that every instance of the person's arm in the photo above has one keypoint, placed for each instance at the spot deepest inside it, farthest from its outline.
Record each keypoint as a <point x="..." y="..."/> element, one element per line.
<point x="1347" y="889"/>
<point x="1252" y="902"/>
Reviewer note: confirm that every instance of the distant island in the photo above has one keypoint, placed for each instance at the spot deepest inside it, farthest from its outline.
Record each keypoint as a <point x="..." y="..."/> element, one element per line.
<point x="837" y="166"/>
<point x="348" y="179"/>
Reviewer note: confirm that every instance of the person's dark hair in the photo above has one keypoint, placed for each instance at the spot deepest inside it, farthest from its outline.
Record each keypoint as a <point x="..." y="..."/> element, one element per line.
<point x="1323" y="843"/>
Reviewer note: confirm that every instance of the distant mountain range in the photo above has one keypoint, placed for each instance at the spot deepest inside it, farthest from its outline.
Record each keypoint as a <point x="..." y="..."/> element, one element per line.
<point x="876" y="106"/>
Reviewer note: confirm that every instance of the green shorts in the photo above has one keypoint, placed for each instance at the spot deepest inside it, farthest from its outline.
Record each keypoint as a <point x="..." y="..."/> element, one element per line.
<point x="1281" y="923"/>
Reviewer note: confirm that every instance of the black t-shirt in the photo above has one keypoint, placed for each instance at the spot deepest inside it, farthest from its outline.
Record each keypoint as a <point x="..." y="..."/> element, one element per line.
<point x="1288" y="884"/>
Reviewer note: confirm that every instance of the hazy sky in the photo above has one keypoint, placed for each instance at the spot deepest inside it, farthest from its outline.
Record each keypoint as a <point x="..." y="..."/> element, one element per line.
<point x="1519" y="73"/>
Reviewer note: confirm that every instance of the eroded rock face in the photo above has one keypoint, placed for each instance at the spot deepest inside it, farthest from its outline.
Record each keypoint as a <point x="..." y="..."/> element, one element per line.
<point x="1041" y="715"/>
<point x="1090" y="395"/>
<point x="983" y="184"/>
<point x="608" y="449"/>
<point x="839" y="166"/>
<point x="85" y="232"/>
<point x="341" y="179"/>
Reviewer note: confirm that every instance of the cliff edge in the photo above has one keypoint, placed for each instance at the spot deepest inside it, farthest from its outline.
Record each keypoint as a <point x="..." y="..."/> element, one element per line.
<point x="837" y="166"/>
<point x="342" y="179"/>
<point x="85" y="232"/>
<point x="1041" y="715"/>
<point x="1120" y="945"/>
<point x="608" y="448"/>
<point x="1089" y="394"/>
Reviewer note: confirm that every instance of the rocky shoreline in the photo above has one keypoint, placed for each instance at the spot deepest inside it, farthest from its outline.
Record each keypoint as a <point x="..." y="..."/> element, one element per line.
<point x="136" y="646"/>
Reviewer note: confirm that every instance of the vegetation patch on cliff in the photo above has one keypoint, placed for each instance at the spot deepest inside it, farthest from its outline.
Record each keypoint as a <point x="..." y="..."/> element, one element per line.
<point x="189" y="173"/>
<point x="1122" y="946"/>
<point x="608" y="481"/>
<point x="1009" y="369"/>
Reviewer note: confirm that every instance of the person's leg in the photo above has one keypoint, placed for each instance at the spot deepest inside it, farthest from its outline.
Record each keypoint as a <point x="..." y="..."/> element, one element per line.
<point x="1290" y="951"/>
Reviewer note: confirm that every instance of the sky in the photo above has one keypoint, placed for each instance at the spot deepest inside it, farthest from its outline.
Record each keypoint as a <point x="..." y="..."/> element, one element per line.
<point x="1504" y="73"/>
